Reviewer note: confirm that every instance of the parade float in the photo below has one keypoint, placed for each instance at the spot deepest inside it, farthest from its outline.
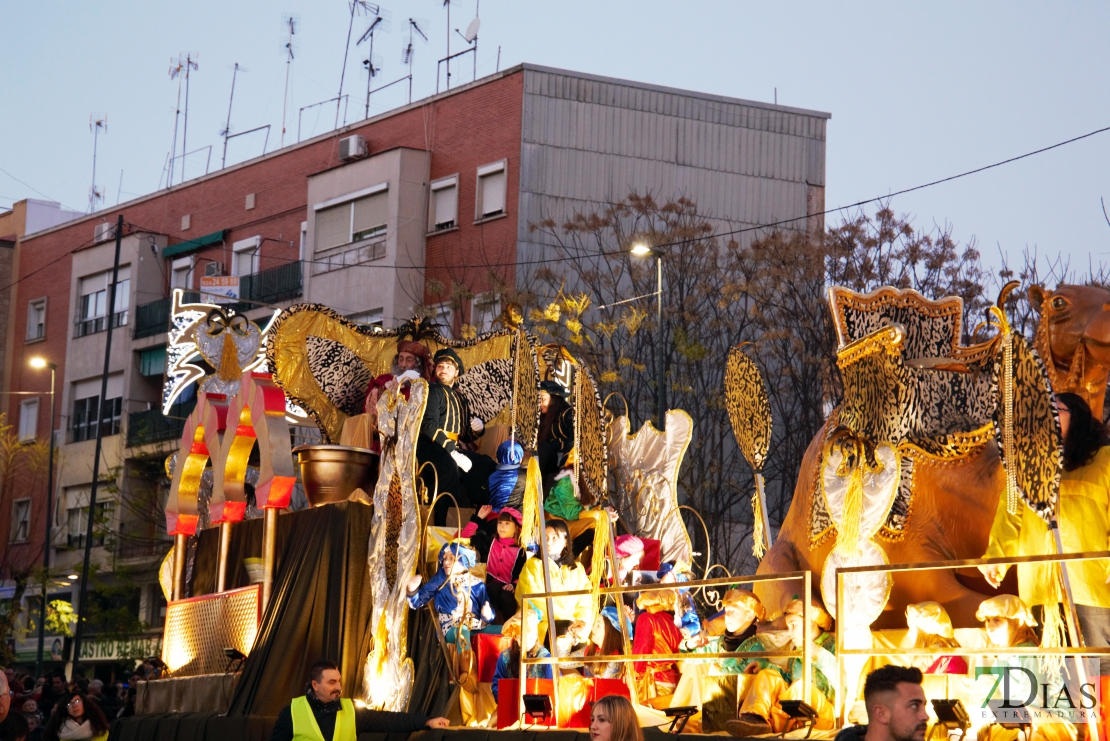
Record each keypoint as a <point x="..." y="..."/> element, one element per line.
<point x="885" y="534"/>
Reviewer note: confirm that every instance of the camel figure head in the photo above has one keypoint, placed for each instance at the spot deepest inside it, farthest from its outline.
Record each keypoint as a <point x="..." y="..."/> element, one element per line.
<point x="1073" y="339"/>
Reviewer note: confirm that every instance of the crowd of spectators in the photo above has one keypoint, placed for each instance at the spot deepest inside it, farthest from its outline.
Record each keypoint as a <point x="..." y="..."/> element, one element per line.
<point x="53" y="707"/>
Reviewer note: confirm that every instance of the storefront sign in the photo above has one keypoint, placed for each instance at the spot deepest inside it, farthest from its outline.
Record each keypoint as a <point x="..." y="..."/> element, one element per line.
<point x="121" y="649"/>
<point x="53" y="648"/>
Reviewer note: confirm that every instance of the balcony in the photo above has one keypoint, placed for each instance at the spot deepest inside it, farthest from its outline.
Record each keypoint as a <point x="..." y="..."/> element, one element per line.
<point x="151" y="426"/>
<point x="154" y="317"/>
<point x="272" y="286"/>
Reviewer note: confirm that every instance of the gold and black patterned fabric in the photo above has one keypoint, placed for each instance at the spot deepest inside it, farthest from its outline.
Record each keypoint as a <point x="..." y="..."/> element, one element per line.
<point x="908" y="381"/>
<point x="324" y="363"/>
<point x="1038" y="456"/>
<point x="749" y="407"/>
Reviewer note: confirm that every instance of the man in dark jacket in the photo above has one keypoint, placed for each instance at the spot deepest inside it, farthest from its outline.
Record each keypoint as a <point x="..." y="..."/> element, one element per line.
<point x="322" y="715"/>
<point x="895" y="707"/>
<point x="447" y="422"/>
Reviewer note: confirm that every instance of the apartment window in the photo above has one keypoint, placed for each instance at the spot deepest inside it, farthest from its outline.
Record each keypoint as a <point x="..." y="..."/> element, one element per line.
<point x="445" y="320"/>
<point x="245" y="254"/>
<point x="92" y="309"/>
<point x="28" y="419"/>
<point x="491" y="190"/>
<point x="21" y="520"/>
<point x="484" y="310"/>
<point x="445" y="204"/>
<point x="77" y="521"/>
<point x="356" y="218"/>
<point x="88" y="412"/>
<point x="36" y="319"/>
<point x="181" y="273"/>
<point x="374" y="318"/>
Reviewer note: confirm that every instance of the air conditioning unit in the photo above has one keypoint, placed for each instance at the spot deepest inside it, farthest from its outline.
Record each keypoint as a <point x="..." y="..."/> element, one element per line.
<point x="104" y="230"/>
<point x="352" y="148"/>
<point x="214" y="268"/>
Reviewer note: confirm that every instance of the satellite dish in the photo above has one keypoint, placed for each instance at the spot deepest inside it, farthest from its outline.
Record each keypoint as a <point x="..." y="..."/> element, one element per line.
<point x="472" y="31"/>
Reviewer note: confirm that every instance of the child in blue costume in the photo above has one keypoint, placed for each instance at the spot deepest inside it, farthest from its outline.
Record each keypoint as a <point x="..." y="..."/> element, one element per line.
<point x="459" y="597"/>
<point x="506" y="491"/>
<point x="686" y="615"/>
<point x="530" y="631"/>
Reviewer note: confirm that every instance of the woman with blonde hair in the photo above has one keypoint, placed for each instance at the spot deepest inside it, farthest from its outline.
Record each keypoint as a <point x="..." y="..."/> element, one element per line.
<point x="614" y="719"/>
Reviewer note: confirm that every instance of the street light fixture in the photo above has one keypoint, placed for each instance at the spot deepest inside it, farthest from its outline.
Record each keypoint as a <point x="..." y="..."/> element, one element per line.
<point x="643" y="249"/>
<point x="40" y="363"/>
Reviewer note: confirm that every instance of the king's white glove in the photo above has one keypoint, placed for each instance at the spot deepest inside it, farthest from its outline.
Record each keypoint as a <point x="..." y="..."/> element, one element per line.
<point x="408" y="376"/>
<point x="462" y="461"/>
<point x="476" y="424"/>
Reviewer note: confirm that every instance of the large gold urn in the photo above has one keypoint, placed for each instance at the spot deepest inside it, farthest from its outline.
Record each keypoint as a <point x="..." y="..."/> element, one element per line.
<point x="331" y="472"/>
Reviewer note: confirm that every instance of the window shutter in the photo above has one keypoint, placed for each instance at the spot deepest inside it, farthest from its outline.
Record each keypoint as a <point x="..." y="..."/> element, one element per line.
<point x="115" y="386"/>
<point x="246" y="262"/>
<point x="446" y="207"/>
<point x="493" y="193"/>
<point x="370" y="215"/>
<point x="28" y="419"/>
<point x="333" y="226"/>
<point x="94" y="283"/>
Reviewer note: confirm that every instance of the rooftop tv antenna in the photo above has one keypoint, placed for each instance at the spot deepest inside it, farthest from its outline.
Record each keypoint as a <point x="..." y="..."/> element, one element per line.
<point x="188" y="64"/>
<point x="226" y="132"/>
<point x="290" y="24"/>
<point x="361" y="8"/>
<point x="447" y="4"/>
<point x="372" y="63"/>
<point x="176" y="65"/>
<point x="97" y="121"/>
<point x="407" y="52"/>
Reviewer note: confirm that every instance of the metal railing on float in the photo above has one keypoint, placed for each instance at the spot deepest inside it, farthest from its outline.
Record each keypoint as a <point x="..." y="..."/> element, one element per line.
<point x="842" y="701"/>
<point x="804" y="653"/>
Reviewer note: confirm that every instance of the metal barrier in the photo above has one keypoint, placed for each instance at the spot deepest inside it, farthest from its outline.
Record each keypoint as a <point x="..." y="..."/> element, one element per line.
<point x="842" y="653"/>
<point x="805" y="653"/>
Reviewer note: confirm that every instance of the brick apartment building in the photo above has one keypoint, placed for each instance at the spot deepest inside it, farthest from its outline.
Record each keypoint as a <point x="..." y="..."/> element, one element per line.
<point x="444" y="193"/>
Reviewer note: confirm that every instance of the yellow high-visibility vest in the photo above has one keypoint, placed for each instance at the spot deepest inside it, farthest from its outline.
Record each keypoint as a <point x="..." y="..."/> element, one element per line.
<point x="305" y="727"/>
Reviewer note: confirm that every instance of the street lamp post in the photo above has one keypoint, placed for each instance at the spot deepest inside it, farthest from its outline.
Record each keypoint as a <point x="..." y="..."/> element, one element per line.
<point x="640" y="249"/>
<point x="39" y="363"/>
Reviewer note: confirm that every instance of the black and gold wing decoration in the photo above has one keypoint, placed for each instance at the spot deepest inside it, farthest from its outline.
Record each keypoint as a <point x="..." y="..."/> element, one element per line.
<point x="325" y="363"/>
<point x="1027" y="425"/>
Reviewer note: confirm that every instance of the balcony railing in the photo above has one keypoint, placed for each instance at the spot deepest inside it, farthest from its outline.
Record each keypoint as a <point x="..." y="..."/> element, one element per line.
<point x="271" y="286"/>
<point x="154" y="317"/>
<point x="151" y="426"/>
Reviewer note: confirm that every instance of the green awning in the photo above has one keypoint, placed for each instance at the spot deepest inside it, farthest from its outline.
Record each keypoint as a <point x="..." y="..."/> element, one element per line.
<point x="152" y="361"/>
<point x="182" y="248"/>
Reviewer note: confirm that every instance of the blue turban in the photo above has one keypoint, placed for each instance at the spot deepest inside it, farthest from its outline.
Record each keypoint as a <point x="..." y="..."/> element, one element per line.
<point x="503" y="480"/>
<point x="609" y="612"/>
<point x="464" y="554"/>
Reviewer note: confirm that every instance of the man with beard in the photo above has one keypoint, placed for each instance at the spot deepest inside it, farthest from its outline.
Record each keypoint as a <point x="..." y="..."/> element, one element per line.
<point x="448" y="422"/>
<point x="322" y="713"/>
<point x="411" y="362"/>
<point x="895" y="707"/>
